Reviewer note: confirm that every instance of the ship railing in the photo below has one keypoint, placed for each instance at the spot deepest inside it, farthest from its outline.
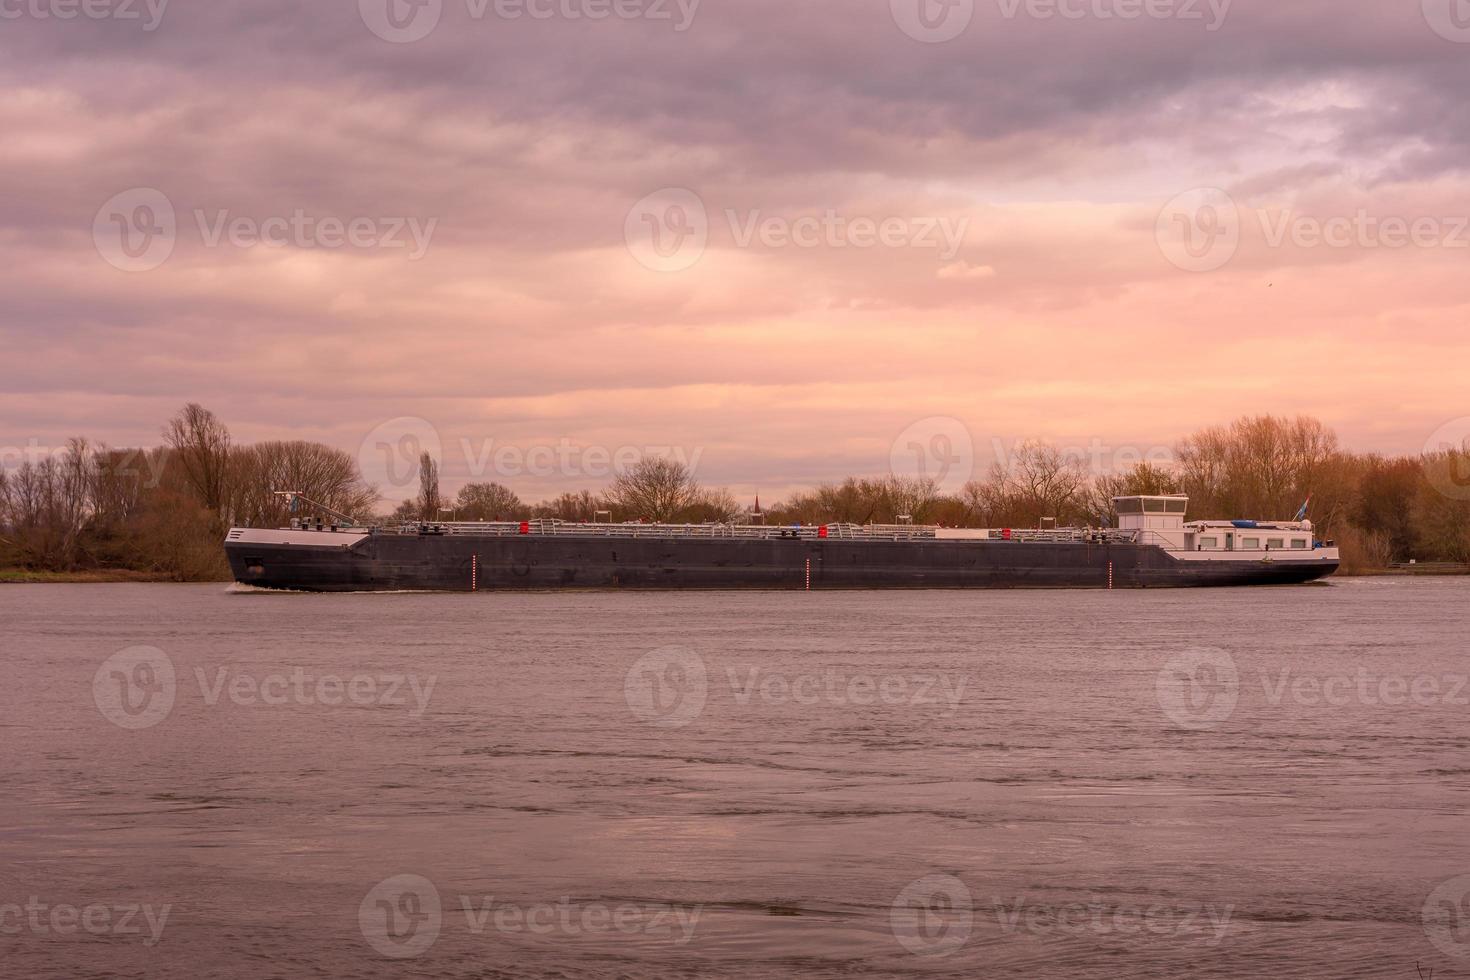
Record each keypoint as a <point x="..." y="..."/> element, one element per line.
<point x="550" y="527"/>
<point x="558" y="528"/>
<point x="1095" y="535"/>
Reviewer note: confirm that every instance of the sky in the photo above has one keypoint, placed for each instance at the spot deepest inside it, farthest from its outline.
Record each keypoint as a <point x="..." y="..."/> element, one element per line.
<point x="786" y="241"/>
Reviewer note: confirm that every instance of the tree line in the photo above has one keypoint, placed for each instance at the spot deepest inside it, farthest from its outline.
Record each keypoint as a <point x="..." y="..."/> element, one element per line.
<point x="163" y="511"/>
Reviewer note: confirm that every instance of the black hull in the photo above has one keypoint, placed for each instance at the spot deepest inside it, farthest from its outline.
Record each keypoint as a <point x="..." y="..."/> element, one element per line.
<point x="463" y="563"/>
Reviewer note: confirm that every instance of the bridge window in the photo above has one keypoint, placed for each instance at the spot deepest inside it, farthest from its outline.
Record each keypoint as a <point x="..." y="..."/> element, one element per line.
<point x="1129" y="505"/>
<point x="1176" y="506"/>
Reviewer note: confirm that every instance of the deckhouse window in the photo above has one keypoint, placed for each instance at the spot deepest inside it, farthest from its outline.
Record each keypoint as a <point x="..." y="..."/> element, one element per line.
<point x="1250" y="544"/>
<point x="1299" y="543"/>
<point x="1275" y="543"/>
<point x="1209" y="543"/>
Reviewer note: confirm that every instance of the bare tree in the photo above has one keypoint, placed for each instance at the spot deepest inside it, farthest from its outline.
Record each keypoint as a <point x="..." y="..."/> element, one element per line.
<point x="1145" y="478"/>
<point x="713" y="506"/>
<point x="201" y="445"/>
<point x="429" y="499"/>
<point x="580" y="506"/>
<point x="321" y="473"/>
<point x="656" y="488"/>
<point x="488" y="502"/>
<point x="1041" y="481"/>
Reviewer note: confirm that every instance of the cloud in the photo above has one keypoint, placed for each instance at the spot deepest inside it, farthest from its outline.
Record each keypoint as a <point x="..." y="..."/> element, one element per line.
<point x="528" y="143"/>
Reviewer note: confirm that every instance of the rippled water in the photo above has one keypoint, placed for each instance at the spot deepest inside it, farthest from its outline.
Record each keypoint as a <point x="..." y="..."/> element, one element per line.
<point x="1041" y="784"/>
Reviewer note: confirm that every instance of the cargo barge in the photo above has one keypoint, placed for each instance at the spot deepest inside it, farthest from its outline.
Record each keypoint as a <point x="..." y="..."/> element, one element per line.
<point x="1152" y="547"/>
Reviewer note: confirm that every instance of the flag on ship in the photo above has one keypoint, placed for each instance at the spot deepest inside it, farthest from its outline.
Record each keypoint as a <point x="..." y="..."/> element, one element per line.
<point x="1302" y="513"/>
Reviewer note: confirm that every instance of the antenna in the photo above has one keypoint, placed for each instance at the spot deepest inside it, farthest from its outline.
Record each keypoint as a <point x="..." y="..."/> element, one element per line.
<point x="295" y="498"/>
